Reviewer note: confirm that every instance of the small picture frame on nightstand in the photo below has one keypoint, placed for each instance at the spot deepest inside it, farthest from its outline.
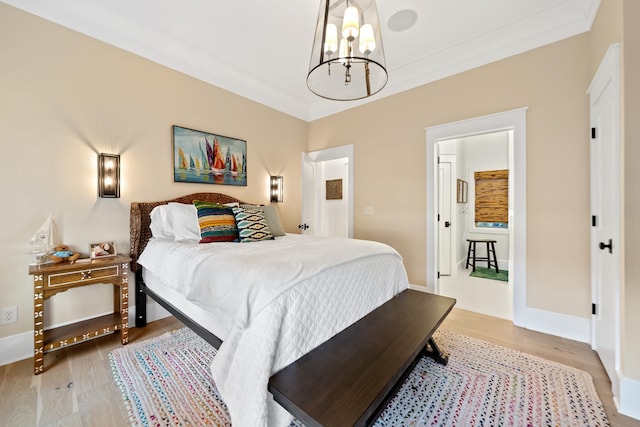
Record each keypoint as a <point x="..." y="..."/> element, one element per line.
<point x="102" y="250"/>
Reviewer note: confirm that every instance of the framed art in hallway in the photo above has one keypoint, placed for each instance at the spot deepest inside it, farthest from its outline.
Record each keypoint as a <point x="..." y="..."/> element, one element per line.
<point x="333" y="189"/>
<point x="208" y="158"/>
<point x="461" y="191"/>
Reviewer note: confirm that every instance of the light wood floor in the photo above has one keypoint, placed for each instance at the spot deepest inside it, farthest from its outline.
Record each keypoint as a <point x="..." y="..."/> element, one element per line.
<point x="77" y="387"/>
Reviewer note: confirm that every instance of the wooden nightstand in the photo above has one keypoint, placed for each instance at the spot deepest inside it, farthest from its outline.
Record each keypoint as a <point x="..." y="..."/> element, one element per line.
<point x="49" y="279"/>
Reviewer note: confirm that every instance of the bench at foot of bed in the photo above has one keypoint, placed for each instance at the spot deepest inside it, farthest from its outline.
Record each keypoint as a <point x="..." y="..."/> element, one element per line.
<point x="347" y="380"/>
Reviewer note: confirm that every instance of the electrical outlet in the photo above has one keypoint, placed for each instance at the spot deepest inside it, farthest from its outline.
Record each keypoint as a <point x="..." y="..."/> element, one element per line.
<point x="368" y="210"/>
<point x="8" y="315"/>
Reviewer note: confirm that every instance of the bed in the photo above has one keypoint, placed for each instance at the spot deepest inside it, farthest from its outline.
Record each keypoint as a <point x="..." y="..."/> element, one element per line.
<point x="262" y="304"/>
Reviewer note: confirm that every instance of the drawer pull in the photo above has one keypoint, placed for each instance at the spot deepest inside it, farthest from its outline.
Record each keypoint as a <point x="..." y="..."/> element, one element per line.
<point x="86" y="274"/>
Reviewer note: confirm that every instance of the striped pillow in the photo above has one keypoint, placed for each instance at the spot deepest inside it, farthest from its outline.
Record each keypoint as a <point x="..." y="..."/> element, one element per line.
<point x="252" y="225"/>
<point x="217" y="223"/>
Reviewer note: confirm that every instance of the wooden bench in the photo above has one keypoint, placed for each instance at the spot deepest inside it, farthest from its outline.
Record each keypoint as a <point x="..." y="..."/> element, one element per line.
<point x="347" y="380"/>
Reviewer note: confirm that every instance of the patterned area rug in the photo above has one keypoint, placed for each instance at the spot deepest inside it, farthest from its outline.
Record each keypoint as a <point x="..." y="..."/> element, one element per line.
<point x="167" y="381"/>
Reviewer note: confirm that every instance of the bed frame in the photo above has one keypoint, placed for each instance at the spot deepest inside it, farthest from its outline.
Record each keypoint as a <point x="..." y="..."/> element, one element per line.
<point x="139" y="223"/>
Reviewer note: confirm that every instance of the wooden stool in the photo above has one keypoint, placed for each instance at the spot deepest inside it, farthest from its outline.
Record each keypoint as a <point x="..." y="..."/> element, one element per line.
<point x="491" y="252"/>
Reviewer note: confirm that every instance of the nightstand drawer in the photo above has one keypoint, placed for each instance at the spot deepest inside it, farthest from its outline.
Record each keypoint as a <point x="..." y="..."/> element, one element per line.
<point x="79" y="276"/>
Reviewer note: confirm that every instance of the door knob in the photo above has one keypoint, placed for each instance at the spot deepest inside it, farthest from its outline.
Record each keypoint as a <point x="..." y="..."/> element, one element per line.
<point x="610" y="246"/>
<point x="447" y="224"/>
<point x="303" y="226"/>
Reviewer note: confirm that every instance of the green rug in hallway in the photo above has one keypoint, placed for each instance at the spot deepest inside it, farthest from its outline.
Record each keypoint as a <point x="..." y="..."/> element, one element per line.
<point x="490" y="273"/>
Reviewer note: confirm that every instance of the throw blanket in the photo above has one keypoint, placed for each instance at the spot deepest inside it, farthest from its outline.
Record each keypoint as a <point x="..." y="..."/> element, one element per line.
<point x="241" y="279"/>
<point x="280" y="319"/>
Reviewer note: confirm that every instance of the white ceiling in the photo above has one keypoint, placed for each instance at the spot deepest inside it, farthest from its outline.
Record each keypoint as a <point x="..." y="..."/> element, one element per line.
<point x="260" y="49"/>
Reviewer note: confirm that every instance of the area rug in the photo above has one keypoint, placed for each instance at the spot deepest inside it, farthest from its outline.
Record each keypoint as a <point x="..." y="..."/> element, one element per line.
<point x="490" y="273"/>
<point x="167" y="381"/>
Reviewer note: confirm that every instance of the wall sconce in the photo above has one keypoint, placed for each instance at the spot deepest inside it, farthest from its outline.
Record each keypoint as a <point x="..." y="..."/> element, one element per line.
<point x="276" y="189"/>
<point x="108" y="175"/>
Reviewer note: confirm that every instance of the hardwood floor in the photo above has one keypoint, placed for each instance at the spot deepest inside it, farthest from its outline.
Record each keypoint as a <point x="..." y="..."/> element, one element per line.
<point x="77" y="387"/>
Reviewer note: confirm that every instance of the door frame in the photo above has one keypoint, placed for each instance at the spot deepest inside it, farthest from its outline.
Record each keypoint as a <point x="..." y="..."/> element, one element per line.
<point x="512" y="120"/>
<point x="335" y="153"/>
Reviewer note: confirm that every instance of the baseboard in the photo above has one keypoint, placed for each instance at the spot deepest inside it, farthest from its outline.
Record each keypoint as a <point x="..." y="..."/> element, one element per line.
<point x="503" y="264"/>
<point x="20" y="346"/>
<point x="16" y="347"/>
<point x="629" y="398"/>
<point x="561" y="325"/>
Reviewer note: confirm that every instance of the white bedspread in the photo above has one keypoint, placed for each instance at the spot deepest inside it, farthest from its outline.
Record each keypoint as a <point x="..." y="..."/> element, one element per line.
<point x="285" y="297"/>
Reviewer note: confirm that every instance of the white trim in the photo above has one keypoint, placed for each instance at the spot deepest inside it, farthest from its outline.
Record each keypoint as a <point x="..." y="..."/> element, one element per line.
<point x="16" y="347"/>
<point x="558" y="324"/>
<point x="20" y="346"/>
<point x="629" y="398"/>
<point x="539" y="27"/>
<point x="418" y="288"/>
<point x="515" y="120"/>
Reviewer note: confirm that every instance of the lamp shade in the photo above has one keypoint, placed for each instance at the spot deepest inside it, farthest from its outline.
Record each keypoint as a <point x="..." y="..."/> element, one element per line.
<point x="108" y="175"/>
<point x="358" y="69"/>
<point x="275" y="188"/>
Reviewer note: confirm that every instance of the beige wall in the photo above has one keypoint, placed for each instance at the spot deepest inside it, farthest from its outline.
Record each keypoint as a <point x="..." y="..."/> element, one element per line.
<point x="606" y="29"/>
<point x="64" y="98"/>
<point x="631" y="153"/>
<point x="617" y="22"/>
<point x="390" y="163"/>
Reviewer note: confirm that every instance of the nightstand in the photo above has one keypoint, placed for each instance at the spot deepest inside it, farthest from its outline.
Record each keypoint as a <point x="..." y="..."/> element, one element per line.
<point x="49" y="279"/>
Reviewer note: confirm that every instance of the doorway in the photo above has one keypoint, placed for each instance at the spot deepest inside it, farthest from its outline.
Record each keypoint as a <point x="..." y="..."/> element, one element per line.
<point x="470" y="156"/>
<point x="327" y="192"/>
<point x="514" y="121"/>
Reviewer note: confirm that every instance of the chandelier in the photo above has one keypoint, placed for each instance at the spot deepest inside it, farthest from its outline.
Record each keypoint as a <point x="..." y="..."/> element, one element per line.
<point x="347" y="59"/>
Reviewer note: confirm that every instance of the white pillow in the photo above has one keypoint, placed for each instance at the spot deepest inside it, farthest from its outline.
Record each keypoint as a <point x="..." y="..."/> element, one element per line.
<point x="177" y="221"/>
<point x="184" y="219"/>
<point x="160" y="226"/>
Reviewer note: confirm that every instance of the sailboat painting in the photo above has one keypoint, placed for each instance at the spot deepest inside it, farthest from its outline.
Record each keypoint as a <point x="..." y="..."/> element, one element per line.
<point x="207" y="158"/>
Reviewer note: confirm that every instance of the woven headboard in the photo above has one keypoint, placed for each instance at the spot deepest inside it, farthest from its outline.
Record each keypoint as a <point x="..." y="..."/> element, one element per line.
<point x="139" y="221"/>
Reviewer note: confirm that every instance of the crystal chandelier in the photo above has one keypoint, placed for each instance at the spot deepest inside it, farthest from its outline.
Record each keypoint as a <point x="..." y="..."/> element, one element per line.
<point x="347" y="59"/>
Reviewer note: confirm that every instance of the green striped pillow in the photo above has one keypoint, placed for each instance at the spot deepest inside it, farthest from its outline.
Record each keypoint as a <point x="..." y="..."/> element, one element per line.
<point x="252" y="225"/>
<point x="217" y="223"/>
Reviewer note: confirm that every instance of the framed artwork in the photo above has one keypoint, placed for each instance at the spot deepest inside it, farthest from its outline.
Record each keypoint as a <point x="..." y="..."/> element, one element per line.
<point x="464" y="191"/>
<point x="208" y="158"/>
<point x="461" y="191"/>
<point x="334" y="189"/>
<point x="102" y="250"/>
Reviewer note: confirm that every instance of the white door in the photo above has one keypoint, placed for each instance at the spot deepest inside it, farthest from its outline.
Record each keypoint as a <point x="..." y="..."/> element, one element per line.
<point x="308" y="195"/>
<point x="444" y="223"/>
<point x="605" y="210"/>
